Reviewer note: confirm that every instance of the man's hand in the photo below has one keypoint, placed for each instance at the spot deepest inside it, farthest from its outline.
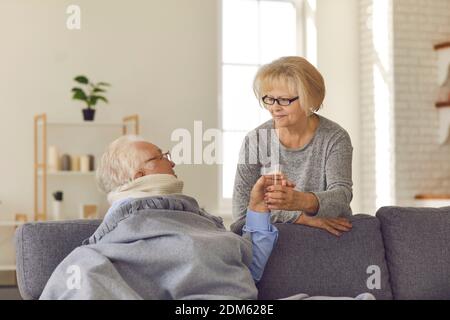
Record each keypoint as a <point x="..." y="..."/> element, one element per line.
<point x="257" y="195"/>
<point x="335" y="226"/>
<point x="257" y="203"/>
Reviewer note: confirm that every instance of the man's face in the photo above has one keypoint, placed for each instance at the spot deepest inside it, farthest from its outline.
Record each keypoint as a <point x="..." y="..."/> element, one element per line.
<point x="153" y="161"/>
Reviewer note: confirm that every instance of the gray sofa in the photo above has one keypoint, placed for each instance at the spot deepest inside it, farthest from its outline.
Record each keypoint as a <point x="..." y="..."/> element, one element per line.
<point x="402" y="253"/>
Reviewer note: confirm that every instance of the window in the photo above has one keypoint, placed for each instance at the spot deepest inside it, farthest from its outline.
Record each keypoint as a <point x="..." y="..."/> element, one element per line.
<point x="254" y="32"/>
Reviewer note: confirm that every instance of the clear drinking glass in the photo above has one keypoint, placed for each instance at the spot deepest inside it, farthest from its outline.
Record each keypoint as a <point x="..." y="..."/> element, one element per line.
<point x="273" y="174"/>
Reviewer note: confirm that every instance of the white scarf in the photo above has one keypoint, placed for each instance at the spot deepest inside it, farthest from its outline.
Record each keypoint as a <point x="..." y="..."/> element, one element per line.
<point x="147" y="186"/>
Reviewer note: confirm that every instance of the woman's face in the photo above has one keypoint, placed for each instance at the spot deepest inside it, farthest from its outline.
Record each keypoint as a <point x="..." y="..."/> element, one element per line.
<point x="285" y="116"/>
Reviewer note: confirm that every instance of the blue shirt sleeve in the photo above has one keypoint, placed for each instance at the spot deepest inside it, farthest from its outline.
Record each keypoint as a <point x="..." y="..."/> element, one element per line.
<point x="264" y="236"/>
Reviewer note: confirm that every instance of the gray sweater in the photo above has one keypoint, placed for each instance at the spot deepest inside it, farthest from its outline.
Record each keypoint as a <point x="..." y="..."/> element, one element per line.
<point x="322" y="167"/>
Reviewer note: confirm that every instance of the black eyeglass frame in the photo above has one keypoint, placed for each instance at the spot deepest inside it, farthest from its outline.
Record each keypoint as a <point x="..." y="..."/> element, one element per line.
<point x="289" y="101"/>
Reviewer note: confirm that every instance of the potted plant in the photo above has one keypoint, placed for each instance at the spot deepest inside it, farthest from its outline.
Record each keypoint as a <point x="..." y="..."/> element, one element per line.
<point x="94" y="92"/>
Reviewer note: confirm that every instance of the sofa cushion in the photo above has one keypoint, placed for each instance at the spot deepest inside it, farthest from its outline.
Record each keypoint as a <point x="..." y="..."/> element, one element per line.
<point x="417" y="244"/>
<point x="312" y="261"/>
<point x="41" y="246"/>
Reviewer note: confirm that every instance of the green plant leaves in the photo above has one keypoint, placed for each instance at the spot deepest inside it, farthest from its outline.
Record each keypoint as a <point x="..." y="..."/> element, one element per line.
<point x="82" y="79"/>
<point x="92" y="98"/>
<point x="78" y="94"/>
<point x="101" y="98"/>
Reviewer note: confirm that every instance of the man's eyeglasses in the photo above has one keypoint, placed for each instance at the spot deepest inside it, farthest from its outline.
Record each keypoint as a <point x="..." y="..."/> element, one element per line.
<point x="163" y="155"/>
<point x="281" y="101"/>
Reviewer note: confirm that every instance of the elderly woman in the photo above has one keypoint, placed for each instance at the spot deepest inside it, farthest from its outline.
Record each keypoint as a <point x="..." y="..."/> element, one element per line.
<point x="315" y="152"/>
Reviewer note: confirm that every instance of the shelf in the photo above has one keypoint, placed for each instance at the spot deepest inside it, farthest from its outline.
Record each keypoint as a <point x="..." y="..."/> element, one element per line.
<point x="444" y="124"/>
<point x="442" y="104"/>
<point x="7" y="267"/>
<point x="82" y="124"/>
<point x="10" y="223"/>
<point x="68" y="173"/>
<point x="442" y="45"/>
<point x="432" y="197"/>
<point x="128" y="125"/>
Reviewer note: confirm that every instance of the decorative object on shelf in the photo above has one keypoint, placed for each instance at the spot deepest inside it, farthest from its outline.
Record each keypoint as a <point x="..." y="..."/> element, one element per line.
<point x="84" y="163"/>
<point x="443" y="96"/>
<point x="75" y="163"/>
<point x="91" y="162"/>
<point x="444" y="90"/>
<point x="88" y="211"/>
<point x="65" y="162"/>
<point x="433" y="200"/>
<point x="53" y="158"/>
<point x="57" y="202"/>
<point x="21" y="218"/>
<point x="95" y="93"/>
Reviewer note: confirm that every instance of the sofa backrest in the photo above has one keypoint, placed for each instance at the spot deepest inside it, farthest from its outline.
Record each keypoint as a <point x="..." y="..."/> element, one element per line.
<point x="417" y="244"/>
<point x="41" y="246"/>
<point x="305" y="260"/>
<point x="312" y="261"/>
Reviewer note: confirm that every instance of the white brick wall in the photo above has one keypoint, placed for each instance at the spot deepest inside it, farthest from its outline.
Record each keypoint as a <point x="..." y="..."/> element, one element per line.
<point x="423" y="166"/>
<point x="420" y="164"/>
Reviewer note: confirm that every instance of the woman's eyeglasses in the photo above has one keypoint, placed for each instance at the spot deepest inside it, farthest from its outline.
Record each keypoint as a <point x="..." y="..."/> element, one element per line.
<point x="284" y="102"/>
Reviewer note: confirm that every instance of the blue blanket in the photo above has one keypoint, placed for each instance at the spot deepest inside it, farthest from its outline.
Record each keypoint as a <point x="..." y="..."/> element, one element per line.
<point x="157" y="248"/>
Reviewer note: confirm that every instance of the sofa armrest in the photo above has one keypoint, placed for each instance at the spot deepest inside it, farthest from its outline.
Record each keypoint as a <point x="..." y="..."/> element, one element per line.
<point x="41" y="246"/>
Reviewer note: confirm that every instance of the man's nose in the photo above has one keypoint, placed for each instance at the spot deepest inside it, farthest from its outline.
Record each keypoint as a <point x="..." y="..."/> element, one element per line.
<point x="172" y="163"/>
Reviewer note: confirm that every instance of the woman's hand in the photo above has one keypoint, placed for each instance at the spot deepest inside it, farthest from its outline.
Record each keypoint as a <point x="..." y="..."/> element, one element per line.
<point x="335" y="226"/>
<point x="257" y="195"/>
<point x="283" y="197"/>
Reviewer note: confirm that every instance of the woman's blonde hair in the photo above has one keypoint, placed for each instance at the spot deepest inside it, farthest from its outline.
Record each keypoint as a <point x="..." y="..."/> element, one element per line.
<point x="298" y="75"/>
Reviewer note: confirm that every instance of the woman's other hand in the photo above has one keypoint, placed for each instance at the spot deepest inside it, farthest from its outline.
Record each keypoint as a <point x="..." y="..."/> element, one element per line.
<point x="283" y="197"/>
<point x="335" y="226"/>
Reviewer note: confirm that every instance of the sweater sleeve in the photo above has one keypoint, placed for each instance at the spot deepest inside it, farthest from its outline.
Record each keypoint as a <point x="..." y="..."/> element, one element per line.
<point x="335" y="200"/>
<point x="246" y="176"/>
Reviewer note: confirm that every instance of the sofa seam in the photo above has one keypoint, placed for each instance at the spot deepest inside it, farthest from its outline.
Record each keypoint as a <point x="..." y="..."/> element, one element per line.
<point x="386" y="259"/>
<point x="25" y="281"/>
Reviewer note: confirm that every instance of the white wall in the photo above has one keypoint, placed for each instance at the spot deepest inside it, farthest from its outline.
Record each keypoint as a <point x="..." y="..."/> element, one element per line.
<point x="160" y="56"/>
<point x="338" y="61"/>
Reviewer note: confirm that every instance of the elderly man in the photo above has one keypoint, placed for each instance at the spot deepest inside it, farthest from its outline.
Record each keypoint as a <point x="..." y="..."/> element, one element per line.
<point x="156" y="243"/>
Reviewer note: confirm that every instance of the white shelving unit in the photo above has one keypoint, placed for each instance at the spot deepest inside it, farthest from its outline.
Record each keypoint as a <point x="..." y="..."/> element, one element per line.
<point x="7" y="267"/>
<point x="9" y="224"/>
<point x="42" y="173"/>
<point x="129" y="124"/>
<point x="68" y="174"/>
<point x="443" y="107"/>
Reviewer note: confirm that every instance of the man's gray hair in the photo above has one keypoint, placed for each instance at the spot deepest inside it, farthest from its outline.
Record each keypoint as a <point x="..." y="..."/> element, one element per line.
<point x="119" y="163"/>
